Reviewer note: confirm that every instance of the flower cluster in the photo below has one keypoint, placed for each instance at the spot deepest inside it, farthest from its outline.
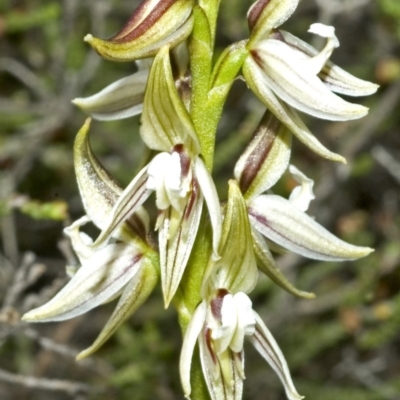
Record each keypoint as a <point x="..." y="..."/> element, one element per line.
<point x="180" y="94"/>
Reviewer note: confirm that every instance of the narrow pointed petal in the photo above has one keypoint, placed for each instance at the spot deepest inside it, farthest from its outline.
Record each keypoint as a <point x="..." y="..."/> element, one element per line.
<point x="121" y="99"/>
<point x="221" y="372"/>
<point x="176" y="244"/>
<point x="288" y="116"/>
<point x="288" y="76"/>
<point x="99" y="192"/>
<point x="303" y="194"/>
<point x="210" y="194"/>
<point x="235" y="270"/>
<point x="133" y="296"/>
<point x="94" y="283"/>
<point x="334" y="77"/>
<point x="266" y="264"/>
<point x="282" y="222"/>
<point x="189" y="342"/>
<point x="266" y="15"/>
<point x="165" y="120"/>
<point x="265" y="159"/>
<point x="135" y="194"/>
<point x="266" y="345"/>
<point x="154" y="24"/>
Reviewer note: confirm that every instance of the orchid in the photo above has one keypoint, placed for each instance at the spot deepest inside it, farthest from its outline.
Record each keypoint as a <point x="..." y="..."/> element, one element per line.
<point x="287" y="73"/>
<point x="208" y="262"/>
<point x="177" y="175"/>
<point x="225" y="317"/>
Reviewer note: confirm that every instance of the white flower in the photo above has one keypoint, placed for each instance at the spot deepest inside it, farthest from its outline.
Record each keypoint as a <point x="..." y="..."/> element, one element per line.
<point x="220" y="325"/>
<point x="287" y="73"/>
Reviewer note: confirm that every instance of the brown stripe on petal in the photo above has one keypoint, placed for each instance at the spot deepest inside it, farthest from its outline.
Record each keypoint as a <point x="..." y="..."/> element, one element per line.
<point x="265" y="135"/>
<point x="255" y="12"/>
<point x="127" y="34"/>
<point x="207" y="335"/>
<point x="194" y="194"/>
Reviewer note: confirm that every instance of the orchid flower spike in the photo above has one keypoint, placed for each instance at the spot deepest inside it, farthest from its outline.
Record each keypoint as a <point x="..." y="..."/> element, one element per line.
<point x="177" y="175"/>
<point x="287" y="74"/>
<point x="225" y="317"/>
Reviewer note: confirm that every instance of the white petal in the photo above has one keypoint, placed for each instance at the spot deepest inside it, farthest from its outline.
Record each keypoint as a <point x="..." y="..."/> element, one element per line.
<point x="288" y="76"/>
<point x="189" y="342"/>
<point x="121" y="99"/>
<point x="255" y="79"/>
<point x="266" y="345"/>
<point x="245" y="321"/>
<point x="81" y="243"/>
<point x="222" y="335"/>
<point x="283" y="223"/>
<point x="94" y="283"/>
<point x="210" y="194"/>
<point x="334" y="77"/>
<point x="132" y="297"/>
<point x="301" y="195"/>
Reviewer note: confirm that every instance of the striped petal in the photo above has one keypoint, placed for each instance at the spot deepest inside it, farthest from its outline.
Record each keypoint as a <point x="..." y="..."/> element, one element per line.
<point x="282" y="222"/>
<point x="133" y="296"/>
<point x="154" y="24"/>
<point x="177" y="234"/>
<point x="266" y="345"/>
<point x="335" y="78"/>
<point x="266" y="15"/>
<point x="265" y="159"/>
<point x="288" y="116"/>
<point x="95" y="282"/>
<point x="121" y="99"/>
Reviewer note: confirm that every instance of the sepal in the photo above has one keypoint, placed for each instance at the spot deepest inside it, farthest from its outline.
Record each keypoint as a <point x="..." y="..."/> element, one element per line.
<point x="234" y="270"/>
<point x="165" y="120"/>
<point x="267" y="265"/>
<point x="121" y="99"/>
<point x="266" y="15"/>
<point x="282" y="222"/>
<point x="266" y="345"/>
<point x="133" y="296"/>
<point x="154" y="24"/>
<point x="98" y="280"/>
<point x="255" y="80"/>
<point x="266" y="157"/>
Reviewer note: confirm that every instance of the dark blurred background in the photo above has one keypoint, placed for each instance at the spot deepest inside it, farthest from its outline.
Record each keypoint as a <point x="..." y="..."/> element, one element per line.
<point x="345" y="344"/>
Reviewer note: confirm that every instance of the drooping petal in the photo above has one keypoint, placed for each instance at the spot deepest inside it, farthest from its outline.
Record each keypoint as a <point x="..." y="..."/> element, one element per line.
<point x="334" y="77"/>
<point x="177" y="234"/>
<point x="210" y="194"/>
<point x="99" y="192"/>
<point x="121" y="99"/>
<point x="288" y="76"/>
<point x="266" y="345"/>
<point x="288" y="116"/>
<point x="266" y="264"/>
<point x="154" y="24"/>
<point x="98" y="280"/>
<point x="301" y="195"/>
<point x="193" y="330"/>
<point x="133" y="296"/>
<point x="283" y="223"/>
<point x="165" y="120"/>
<point x="245" y="321"/>
<point x="221" y="373"/>
<point x="266" y="15"/>
<point x="235" y="270"/>
<point x="135" y="194"/>
<point x="265" y="158"/>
